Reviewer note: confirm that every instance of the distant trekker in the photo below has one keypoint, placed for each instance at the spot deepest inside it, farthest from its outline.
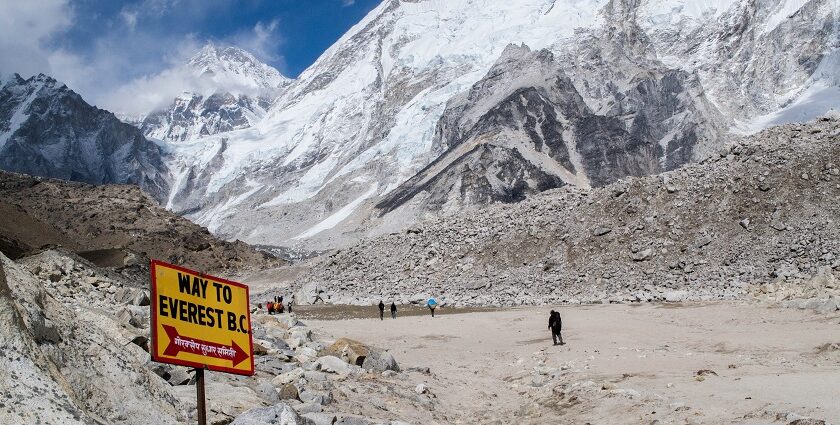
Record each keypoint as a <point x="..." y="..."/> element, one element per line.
<point x="393" y="310"/>
<point x="432" y="304"/>
<point x="555" y="323"/>
<point x="290" y="306"/>
<point x="381" y="310"/>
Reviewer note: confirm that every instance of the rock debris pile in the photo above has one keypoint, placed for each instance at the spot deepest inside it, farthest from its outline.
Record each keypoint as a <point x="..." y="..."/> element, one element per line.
<point x="75" y="339"/>
<point x="762" y="210"/>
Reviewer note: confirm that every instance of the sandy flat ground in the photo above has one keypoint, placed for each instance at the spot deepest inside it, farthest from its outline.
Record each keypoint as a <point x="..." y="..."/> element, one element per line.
<point x="621" y="363"/>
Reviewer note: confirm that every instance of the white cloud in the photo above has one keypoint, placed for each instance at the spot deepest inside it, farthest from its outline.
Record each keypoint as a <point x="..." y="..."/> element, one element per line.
<point x="156" y="90"/>
<point x="130" y="18"/>
<point x="263" y="40"/>
<point x="347" y="3"/>
<point x="25" y="30"/>
<point x="131" y="66"/>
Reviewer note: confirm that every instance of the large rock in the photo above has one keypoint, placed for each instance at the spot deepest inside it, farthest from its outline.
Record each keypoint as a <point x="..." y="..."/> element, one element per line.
<point x="321" y="418"/>
<point x="332" y="364"/>
<point x="380" y="361"/>
<point x="351" y="351"/>
<point x="66" y="364"/>
<point x="279" y="414"/>
<point x="132" y="296"/>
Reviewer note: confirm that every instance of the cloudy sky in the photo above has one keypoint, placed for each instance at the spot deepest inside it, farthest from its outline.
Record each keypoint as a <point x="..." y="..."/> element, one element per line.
<point x="102" y="47"/>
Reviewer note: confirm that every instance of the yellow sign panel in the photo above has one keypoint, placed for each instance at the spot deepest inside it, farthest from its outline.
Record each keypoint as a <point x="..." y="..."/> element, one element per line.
<point x="200" y="321"/>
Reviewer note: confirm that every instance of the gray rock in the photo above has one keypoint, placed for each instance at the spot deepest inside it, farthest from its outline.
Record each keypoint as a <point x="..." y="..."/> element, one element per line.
<point x="288" y="392"/>
<point x="380" y="361"/>
<point x="267" y="392"/>
<point x="279" y="414"/>
<point x="321" y="418"/>
<point x="601" y="231"/>
<point x="332" y="364"/>
<point x="828" y="306"/>
<point x="643" y="255"/>
<point x="317" y="397"/>
<point x="353" y="420"/>
<point x="309" y="408"/>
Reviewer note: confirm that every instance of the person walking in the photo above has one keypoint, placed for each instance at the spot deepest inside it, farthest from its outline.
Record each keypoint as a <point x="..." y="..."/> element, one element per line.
<point x="290" y="306"/>
<point x="393" y="310"/>
<point x="432" y="304"/>
<point x="555" y="323"/>
<point x="381" y="310"/>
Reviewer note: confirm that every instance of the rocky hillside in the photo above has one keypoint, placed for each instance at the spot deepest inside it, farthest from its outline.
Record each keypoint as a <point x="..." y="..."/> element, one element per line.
<point x="113" y="225"/>
<point x="48" y="130"/>
<point x="760" y="210"/>
<point x="75" y="351"/>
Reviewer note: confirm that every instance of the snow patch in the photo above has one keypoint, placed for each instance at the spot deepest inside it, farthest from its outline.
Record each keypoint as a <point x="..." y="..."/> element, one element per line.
<point x="338" y="216"/>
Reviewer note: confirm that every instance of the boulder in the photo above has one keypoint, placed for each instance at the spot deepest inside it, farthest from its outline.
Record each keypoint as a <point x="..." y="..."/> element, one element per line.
<point x="267" y="392"/>
<point x="132" y="296"/>
<point x="354" y="420"/>
<point x="332" y="364"/>
<point x="279" y="414"/>
<point x="321" y="418"/>
<point x="287" y="392"/>
<point x="317" y="397"/>
<point x="827" y="306"/>
<point x="351" y="351"/>
<point x="380" y="361"/>
<point x="288" y="377"/>
<point x="643" y="255"/>
<point x="601" y="231"/>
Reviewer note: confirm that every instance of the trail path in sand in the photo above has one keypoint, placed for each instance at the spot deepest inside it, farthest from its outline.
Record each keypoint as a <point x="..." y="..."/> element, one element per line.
<point x="621" y="364"/>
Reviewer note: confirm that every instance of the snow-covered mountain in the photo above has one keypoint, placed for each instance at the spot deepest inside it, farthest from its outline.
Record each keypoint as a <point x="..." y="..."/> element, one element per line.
<point x="432" y="106"/>
<point x="48" y="130"/>
<point x="600" y="89"/>
<point x="230" y="89"/>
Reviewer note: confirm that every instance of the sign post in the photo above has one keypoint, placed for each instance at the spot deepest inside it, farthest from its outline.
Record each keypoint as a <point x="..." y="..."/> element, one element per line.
<point x="200" y="321"/>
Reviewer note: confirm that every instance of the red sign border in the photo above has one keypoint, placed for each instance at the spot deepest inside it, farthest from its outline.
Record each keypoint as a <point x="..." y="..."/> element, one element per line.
<point x="187" y="363"/>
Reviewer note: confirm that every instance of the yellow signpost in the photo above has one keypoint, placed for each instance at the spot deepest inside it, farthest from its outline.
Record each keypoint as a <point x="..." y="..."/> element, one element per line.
<point x="200" y="321"/>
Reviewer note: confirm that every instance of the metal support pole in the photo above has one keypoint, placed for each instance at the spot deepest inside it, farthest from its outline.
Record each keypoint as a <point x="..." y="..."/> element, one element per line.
<point x="199" y="394"/>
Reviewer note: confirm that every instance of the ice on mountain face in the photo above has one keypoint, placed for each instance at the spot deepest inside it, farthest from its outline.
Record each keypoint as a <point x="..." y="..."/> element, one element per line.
<point x="676" y="12"/>
<point x="782" y="12"/>
<point x="339" y="216"/>
<point x="18" y="89"/>
<point x="821" y="97"/>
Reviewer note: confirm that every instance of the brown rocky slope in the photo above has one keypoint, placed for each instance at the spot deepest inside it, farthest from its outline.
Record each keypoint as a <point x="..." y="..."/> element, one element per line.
<point x="111" y="225"/>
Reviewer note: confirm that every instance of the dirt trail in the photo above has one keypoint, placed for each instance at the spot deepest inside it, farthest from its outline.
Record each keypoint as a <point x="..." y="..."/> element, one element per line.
<point x="621" y="364"/>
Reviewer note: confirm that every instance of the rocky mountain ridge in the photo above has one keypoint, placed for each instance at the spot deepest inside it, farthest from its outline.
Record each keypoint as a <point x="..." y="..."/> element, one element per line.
<point x="761" y="210"/>
<point x="113" y="225"/>
<point x="48" y="130"/>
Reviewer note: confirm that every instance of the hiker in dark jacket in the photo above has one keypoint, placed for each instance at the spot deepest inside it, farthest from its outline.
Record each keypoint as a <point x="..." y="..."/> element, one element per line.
<point x="393" y="310"/>
<point x="555" y="323"/>
<point x="381" y="310"/>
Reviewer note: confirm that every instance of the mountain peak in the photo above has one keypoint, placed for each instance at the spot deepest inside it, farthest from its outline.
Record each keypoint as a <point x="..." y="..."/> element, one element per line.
<point x="230" y="65"/>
